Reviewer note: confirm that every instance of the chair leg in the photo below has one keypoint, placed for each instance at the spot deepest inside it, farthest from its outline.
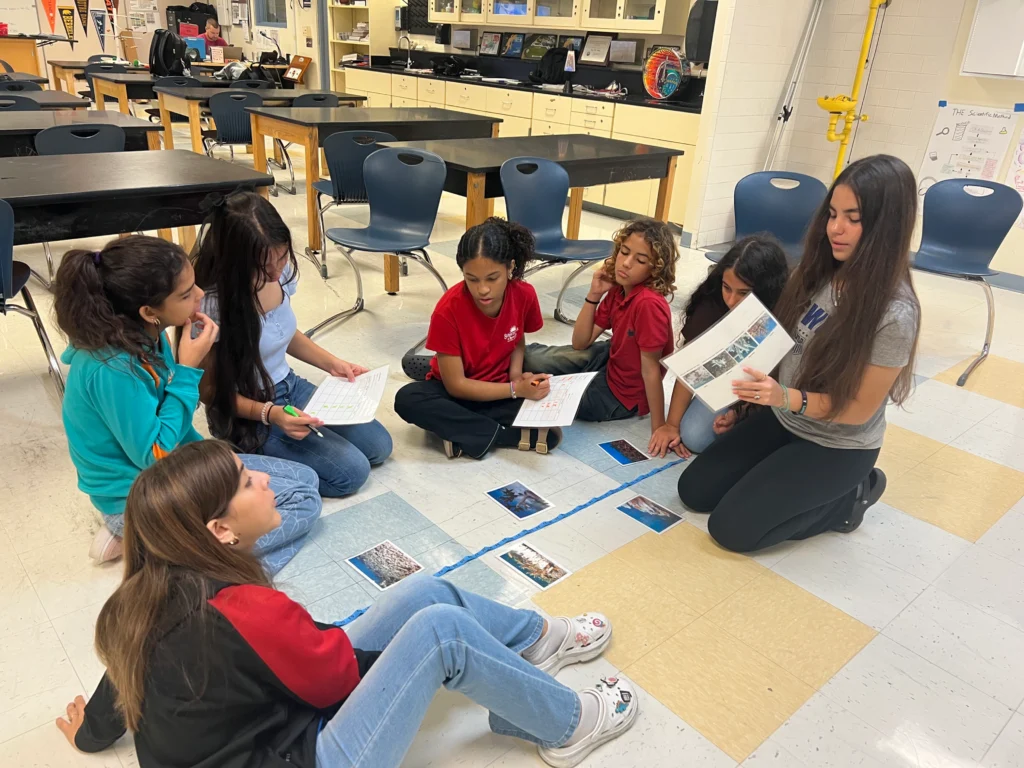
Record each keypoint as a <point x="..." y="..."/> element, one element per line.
<point x="320" y="260"/>
<point x="30" y="311"/>
<point x="990" y="301"/>
<point x="288" y="165"/>
<point x="559" y="315"/>
<point x="46" y="282"/>
<point x="354" y="309"/>
<point x="426" y="262"/>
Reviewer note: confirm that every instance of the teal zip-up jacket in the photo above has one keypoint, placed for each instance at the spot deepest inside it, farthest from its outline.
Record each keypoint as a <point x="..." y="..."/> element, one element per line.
<point x="121" y="415"/>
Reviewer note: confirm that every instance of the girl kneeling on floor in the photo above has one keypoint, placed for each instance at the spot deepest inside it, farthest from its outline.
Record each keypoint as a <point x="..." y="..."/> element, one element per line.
<point x="478" y="332"/>
<point x="806" y="465"/>
<point x="221" y="669"/>
<point x="755" y="264"/>
<point x="247" y="268"/>
<point x="128" y="402"/>
<point x="628" y="297"/>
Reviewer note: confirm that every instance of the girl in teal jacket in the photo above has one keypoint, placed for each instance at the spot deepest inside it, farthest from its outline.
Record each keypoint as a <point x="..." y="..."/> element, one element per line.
<point x="128" y="403"/>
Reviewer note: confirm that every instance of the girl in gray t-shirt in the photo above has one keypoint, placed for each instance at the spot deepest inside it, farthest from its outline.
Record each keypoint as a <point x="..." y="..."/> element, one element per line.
<point x="805" y="464"/>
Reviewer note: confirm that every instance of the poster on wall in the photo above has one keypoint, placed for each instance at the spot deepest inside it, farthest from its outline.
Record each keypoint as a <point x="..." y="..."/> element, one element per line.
<point x="111" y="12"/>
<point x="67" y="17"/>
<point x="83" y="15"/>
<point x="99" y="20"/>
<point x="966" y="143"/>
<point x="51" y="13"/>
<point x="1015" y="173"/>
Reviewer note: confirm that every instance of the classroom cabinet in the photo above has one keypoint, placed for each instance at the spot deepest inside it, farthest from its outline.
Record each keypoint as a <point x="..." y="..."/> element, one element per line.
<point x="555" y="14"/>
<point x="667" y="17"/>
<point x="512" y="12"/>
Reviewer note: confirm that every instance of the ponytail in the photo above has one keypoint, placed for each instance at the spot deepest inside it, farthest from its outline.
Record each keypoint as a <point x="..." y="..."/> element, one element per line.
<point x="502" y="241"/>
<point x="97" y="295"/>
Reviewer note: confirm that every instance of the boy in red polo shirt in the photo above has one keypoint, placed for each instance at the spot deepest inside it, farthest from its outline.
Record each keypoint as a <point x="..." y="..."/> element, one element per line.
<point x="627" y="296"/>
<point x="478" y="330"/>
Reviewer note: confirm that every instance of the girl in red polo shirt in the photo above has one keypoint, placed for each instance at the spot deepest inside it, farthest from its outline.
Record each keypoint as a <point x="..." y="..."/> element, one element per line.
<point x="478" y="330"/>
<point x="627" y="296"/>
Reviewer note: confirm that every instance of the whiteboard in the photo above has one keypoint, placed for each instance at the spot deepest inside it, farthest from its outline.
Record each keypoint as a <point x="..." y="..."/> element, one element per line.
<point x="996" y="44"/>
<point x="1015" y="172"/>
<point x="967" y="143"/>
<point x="21" y="16"/>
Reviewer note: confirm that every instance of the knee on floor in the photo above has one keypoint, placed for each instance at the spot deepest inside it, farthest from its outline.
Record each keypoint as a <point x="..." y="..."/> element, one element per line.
<point x="693" y="493"/>
<point x="731" y="532"/>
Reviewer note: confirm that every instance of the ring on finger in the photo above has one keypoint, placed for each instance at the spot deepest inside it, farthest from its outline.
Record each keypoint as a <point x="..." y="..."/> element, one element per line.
<point x="757" y="397"/>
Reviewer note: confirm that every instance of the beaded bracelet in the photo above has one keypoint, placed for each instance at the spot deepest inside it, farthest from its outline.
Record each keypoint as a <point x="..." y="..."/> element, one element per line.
<point x="785" y="397"/>
<point x="266" y="412"/>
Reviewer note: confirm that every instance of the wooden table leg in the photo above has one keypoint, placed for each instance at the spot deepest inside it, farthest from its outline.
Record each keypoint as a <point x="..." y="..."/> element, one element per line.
<point x="166" y="234"/>
<point x="122" y="99"/>
<point x="665" y="191"/>
<point x="166" y="122"/>
<point x="392" y="267"/>
<point x="476" y="202"/>
<point x="69" y="80"/>
<point x="311" y="147"/>
<point x="153" y="139"/>
<point x="195" y="127"/>
<point x="572" y="227"/>
<point x="187" y="238"/>
<point x="58" y="76"/>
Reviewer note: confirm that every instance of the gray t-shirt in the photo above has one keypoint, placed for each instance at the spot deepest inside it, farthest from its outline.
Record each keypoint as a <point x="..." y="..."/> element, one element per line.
<point x="893" y="344"/>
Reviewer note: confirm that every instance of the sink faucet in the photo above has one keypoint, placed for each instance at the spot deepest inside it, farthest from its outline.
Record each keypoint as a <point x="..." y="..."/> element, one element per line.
<point x="408" y="55"/>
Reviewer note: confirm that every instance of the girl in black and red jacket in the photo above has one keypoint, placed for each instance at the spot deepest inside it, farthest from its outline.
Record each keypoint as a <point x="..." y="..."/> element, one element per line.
<point x="213" y="668"/>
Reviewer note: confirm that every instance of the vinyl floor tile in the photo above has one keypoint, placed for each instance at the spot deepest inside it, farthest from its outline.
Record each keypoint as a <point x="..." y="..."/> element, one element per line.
<point x="997" y="378"/>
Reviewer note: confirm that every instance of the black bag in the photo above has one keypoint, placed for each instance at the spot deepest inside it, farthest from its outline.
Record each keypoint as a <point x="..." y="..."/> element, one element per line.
<point x="256" y="72"/>
<point x="166" y="54"/>
<point x="206" y="8"/>
<point x="447" y="66"/>
<point x="551" y="68"/>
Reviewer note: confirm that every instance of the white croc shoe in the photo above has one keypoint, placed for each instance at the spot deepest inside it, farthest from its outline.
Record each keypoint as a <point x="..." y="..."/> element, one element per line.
<point x="619" y="708"/>
<point x="587" y="638"/>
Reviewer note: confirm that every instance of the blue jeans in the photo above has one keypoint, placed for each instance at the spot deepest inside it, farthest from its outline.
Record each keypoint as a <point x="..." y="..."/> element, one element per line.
<point x="432" y="633"/>
<point x="298" y="503"/>
<point x="696" y="430"/>
<point x="342" y="457"/>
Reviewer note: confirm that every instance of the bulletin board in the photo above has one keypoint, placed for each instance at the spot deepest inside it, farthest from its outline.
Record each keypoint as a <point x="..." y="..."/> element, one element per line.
<point x="967" y="142"/>
<point x="21" y="16"/>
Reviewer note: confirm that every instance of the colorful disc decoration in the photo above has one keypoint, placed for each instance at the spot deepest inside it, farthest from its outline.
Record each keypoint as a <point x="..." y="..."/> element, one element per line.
<point x="663" y="73"/>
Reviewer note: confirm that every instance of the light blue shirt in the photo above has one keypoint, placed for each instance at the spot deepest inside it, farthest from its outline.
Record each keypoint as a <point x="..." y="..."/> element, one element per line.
<point x="279" y="326"/>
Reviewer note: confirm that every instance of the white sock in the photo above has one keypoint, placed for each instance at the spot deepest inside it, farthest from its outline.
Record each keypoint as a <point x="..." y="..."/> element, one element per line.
<point x="590" y="708"/>
<point x="548" y="643"/>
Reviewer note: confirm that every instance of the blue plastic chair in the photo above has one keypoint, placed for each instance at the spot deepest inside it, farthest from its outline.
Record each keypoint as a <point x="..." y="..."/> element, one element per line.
<point x="14" y="276"/>
<point x="10" y="102"/>
<point x="403" y="187"/>
<point x="326" y="100"/>
<point x="961" y="233"/>
<point x="92" y="69"/>
<point x="14" y="86"/>
<point x="97" y="58"/>
<point x="778" y="202"/>
<point x="535" y="193"/>
<point x="255" y="85"/>
<point x="172" y="81"/>
<point x="234" y="125"/>
<point x="80" y="139"/>
<point x="345" y="151"/>
<point x="5" y="66"/>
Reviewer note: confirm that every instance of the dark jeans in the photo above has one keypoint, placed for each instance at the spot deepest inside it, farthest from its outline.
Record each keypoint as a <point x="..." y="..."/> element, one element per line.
<point x="473" y="425"/>
<point x="598" y="403"/>
<point x="764" y="485"/>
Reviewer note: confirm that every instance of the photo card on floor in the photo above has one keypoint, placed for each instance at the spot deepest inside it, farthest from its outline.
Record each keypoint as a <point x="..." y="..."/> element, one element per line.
<point x="650" y="513"/>
<point x="518" y="500"/>
<point x="384" y="565"/>
<point x="534" y="565"/>
<point x="623" y="451"/>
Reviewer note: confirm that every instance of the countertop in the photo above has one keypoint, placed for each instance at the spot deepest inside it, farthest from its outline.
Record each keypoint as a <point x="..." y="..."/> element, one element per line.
<point x="632" y="99"/>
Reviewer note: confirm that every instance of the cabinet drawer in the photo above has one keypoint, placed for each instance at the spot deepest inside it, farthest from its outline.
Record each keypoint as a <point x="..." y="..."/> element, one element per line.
<point x="374" y="82"/>
<point x="590" y="107"/>
<point x="514" y="126"/>
<point x="430" y="90"/>
<point x="657" y="125"/>
<point x="403" y="102"/>
<point x="591" y="122"/>
<point x="544" y="128"/>
<point x="512" y="103"/>
<point x="376" y="100"/>
<point x="552" y="109"/>
<point x="465" y="96"/>
<point x="404" y="86"/>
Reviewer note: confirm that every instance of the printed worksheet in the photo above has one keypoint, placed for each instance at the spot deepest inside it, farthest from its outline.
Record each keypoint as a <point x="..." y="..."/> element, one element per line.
<point x="339" y="401"/>
<point x="747" y="336"/>
<point x="559" y="408"/>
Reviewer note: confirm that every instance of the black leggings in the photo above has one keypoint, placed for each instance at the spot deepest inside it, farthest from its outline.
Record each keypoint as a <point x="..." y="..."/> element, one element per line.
<point x="762" y="484"/>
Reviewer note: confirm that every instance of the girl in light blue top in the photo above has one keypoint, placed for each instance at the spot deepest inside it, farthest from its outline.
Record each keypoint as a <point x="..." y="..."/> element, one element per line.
<point x="247" y="267"/>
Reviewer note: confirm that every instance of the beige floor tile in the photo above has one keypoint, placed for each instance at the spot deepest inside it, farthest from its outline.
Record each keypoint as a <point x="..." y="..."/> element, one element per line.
<point x="690" y="566"/>
<point x="801" y="633"/>
<point x="997" y="378"/>
<point x="904" y="449"/>
<point x="725" y="689"/>
<point x="642" y="614"/>
<point x="957" y="491"/>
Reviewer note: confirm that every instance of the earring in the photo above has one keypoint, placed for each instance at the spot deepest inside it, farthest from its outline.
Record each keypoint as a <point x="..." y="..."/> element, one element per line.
<point x="233" y="542"/>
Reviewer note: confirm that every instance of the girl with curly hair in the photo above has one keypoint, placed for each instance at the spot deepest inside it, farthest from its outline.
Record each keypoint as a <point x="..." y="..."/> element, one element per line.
<point x="629" y="296"/>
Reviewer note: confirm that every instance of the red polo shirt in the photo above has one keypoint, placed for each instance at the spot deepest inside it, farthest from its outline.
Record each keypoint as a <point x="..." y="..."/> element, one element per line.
<point x="485" y="344"/>
<point x="640" y="322"/>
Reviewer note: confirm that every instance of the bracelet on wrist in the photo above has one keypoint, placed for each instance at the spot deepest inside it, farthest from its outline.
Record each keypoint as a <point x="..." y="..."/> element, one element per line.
<point x="785" y="397"/>
<point x="265" y="413"/>
<point x="512" y="389"/>
<point x="803" y="402"/>
<point x="588" y="300"/>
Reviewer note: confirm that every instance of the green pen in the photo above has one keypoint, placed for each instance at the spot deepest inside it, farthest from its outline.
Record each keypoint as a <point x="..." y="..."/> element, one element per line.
<point x="290" y="410"/>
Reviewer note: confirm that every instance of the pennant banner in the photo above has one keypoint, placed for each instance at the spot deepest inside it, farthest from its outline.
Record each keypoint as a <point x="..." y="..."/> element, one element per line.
<point x="51" y="13"/>
<point x="83" y="14"/>
<point x="111" y="12"/>
<point x="67" y="16"/>
<point x="99" y="20"/>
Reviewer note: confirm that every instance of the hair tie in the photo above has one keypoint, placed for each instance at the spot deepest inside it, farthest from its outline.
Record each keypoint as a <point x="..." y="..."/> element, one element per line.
<point x="96" y="258"/>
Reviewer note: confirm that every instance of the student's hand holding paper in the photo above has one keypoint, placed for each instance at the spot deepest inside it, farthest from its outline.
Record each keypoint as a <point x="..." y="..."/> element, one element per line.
<point x="763" y="390"/>
<point x="533" y="386"/>
<point x="345" y="370"/>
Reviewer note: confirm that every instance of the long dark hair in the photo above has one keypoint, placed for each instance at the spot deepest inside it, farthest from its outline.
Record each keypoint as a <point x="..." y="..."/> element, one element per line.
<point x="166" y="543"/>
<point x="502" y="241"/>
<point x="864" y="286"/>
<point x="758" y="260"/>
<point x="240" y="235"/>
<point x="97" y="295"/>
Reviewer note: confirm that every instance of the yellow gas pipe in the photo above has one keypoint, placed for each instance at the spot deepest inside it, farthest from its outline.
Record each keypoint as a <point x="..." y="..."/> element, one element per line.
<point x="840" y="106"/>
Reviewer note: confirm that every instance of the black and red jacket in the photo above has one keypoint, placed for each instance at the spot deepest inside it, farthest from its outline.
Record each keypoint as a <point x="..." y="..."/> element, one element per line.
<point x="246" y="683"/>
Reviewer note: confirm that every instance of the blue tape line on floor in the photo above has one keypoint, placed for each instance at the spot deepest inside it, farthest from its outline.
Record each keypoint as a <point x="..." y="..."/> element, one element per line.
<point x="509" y="539"/>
